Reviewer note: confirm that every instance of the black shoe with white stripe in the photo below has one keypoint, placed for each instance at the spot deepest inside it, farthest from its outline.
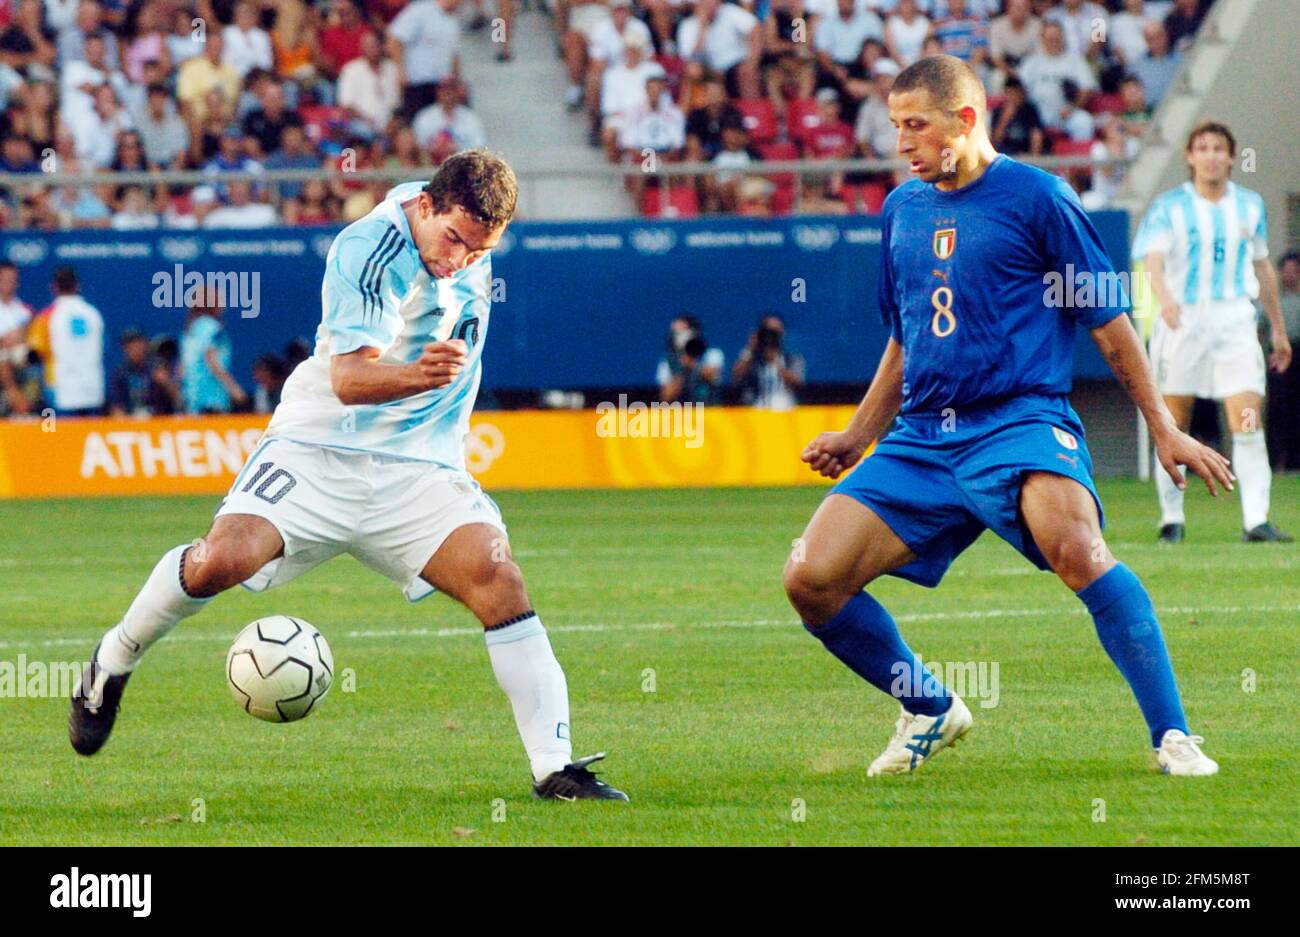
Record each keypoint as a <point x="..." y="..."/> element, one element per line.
<point x="94" y="707"/>
<point x="575" y="782"/>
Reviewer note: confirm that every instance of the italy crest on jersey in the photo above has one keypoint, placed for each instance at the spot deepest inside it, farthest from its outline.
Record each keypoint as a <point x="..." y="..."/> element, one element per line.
<point x="945" y="242"/>
<point x="1065" y="439"/>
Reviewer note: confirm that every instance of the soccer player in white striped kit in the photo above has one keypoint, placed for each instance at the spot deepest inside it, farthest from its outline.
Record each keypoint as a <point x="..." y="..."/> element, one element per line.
<point x="366" y="455"/>
<point x="1205" y="244"/>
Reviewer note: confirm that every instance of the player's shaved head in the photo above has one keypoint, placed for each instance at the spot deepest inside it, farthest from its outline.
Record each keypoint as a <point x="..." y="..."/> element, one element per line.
<point x="950" y="81"/>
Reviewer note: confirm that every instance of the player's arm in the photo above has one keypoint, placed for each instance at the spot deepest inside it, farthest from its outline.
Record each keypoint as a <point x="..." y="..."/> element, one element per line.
<point x="1155" y="261"/>
<point x="831" y="453"/>
<point x="359" y="377"/>
<point x="1280" y="358"/>
<point x="1122" y="349"/>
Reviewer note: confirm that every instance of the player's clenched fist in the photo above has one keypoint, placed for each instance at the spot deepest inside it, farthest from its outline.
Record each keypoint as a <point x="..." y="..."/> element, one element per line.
<point x="441" y="362"/>
<point x="831" y="453"/>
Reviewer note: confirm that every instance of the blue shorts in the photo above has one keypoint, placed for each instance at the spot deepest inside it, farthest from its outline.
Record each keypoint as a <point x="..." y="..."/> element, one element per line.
<point x="939" y="482"/>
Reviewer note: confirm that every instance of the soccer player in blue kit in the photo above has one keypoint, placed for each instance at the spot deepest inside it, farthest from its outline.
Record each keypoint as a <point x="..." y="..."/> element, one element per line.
<point x="977" y="369"/>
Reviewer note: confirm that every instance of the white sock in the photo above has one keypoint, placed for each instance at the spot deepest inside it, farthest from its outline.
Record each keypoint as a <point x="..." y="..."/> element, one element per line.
<point x="1254" y="477"/>
<point x="156" y="610"/>
<point x="530" y="675"/>
<point x="1171" y="496"/>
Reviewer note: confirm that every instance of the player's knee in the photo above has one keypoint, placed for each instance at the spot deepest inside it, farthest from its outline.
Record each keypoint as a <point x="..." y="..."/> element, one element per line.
<point x="215" y="564"/>
<point x="1076" y="553"/>
<point x="808" y="587"/>
<point x="493" y="579"/>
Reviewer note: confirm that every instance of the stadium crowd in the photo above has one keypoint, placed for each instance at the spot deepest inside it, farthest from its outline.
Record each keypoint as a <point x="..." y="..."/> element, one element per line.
<point x="89" y="86"/>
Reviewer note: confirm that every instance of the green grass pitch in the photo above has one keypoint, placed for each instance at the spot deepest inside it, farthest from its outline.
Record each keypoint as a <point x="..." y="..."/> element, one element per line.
<point x="725" y="722"/>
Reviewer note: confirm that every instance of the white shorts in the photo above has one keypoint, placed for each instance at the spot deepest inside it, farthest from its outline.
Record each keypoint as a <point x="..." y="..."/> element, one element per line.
<point x="391" y="514"/>
<point x="1214" y="352"/>
<point x="585" y="18"/>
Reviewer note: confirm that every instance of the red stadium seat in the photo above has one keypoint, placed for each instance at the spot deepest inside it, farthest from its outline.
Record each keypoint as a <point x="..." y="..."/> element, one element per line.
<point x="870" y="194"/>
<point x="1064" y="146"/>
<point x="759" y="116"/>
<point x="785" y="182"/>
<point x="1107" y="104"/>
<point x="801" y="118"/>
<point x="682" y="202"/>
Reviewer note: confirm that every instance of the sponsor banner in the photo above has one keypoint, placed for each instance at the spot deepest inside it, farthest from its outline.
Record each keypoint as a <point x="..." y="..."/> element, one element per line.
<point x="616" y="446"/>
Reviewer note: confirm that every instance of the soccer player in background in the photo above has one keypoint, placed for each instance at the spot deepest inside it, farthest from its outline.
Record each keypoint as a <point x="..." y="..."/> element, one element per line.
<point x="1205" y="244"/>
<point x="977" y="369"/>
<point x="365" y="454"/>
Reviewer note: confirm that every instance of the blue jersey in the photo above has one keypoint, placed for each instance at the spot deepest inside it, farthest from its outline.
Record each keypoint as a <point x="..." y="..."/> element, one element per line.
<point x="377" y="294"/>
<point x="984" y="287"/>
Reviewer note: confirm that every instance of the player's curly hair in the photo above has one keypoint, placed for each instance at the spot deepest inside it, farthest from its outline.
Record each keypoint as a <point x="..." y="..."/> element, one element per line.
<point x="480" y="182"/>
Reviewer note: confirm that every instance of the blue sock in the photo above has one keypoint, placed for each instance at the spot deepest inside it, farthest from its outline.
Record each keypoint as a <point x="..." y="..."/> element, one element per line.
<point x="863" y="635"/>
<point x="1126" y="623"/>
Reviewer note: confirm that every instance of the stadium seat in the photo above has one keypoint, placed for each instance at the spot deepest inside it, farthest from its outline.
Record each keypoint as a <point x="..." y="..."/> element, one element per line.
<point x="1106" y="104"/>
<point x="682" y="202"/>
<point x="1064" y="146"/>
<point x="800" y="118"/>
<point x="759" y="116"/>
<point x="871" y="195"/>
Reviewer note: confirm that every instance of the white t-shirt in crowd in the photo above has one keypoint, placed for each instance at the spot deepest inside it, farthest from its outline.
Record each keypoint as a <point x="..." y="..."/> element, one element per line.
<point x="1042" y="76"/>
<point x="622" y="88"/>
<point x="607" y="43"/>
<point x="662" y="129"/>
<point x="430" y="39"/>
<point x="463" y="126"/>
<point x="726" y="43"/>
<point x="375" y="96"/>
<point x="77" y="346"/>
<point x="244" y="51"/>
<point x="252" y="215"/>
<point x="842" y="40"/>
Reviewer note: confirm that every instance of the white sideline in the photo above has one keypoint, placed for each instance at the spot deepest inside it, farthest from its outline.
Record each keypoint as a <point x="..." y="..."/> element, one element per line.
<point x="77" y="640"/>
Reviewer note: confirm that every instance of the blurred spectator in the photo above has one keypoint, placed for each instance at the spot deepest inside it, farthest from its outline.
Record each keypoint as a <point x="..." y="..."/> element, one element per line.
<point x="149" y="44"/>
<point x="690" y="371"/>
<point x="1183" y="22"/>
<point x="1283" y="424"/>
<point x="704" y="124"/>
<point x="655" y="124"/>
<point x="1127" y="37"/>
<point x="905" y="32"/>
<point x="723" y="187"/>
<point x="165" y="136"/>
<point x="1084" y="25"/>
<point x="184" y="42"/>
<point x="839" y="39"/>
<point x="295" y="152"/>
<point x="26" y="40"/>
<point x="962" y="33"/>
<point x="768" y="374"/>
<point x="74" y="39"/>
<point x="130" y="382"/>
<point x="204" y="73"/>
<point x="873" y="131"/>
<point x="405" y="152"/>
<point x="425" y="40"/>
<point x="241" y="211"/>
<point x="1013" y="37"/>
<point x="340" y="37"/>
<point x="232" y="157"/>
<point x="134" y="213"/>
<point x="370" y="85"/>
<point x="1106" y="180"/>
<point x="15" y="315"/>
<point x="207" y="385"/>
<point x="829" y="138"/>
<point x="1137" y="114"/>
<point x="1045" y="72"/>
<point x="1076" y="121"/>
<point x="269" y="374"/>
<point x="96" y="132"/>
<point x="294" y="41"/>
<point x="266" y="126"/>
<point x="1156" y="69"/>
<point x="605" y="47"/>
<point x="789" y="64"/>
<point x="314" y="205"/>
<point x="69" y="338"/>
<point x="448" y="126"/>
<point x="624" y="89"/>
<point x="578" y="21"/>
<point x="80" y="78"/>
<point x="247" y="45"/>
<point x="723" y="37"/>
<point x="1017" y="128"/>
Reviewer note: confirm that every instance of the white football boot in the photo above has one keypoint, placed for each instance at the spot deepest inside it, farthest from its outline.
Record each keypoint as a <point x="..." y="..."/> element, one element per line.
<point x="917" y="738"/>
<point x="1181" y="754"/>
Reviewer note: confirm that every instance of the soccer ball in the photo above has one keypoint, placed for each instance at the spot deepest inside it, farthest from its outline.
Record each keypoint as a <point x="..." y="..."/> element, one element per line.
<point x="279" y="668"/>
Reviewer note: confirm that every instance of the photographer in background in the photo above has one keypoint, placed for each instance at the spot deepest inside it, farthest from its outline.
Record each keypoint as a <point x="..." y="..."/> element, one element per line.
<point x="767" y="374"/>
<point x="691" y="371"/>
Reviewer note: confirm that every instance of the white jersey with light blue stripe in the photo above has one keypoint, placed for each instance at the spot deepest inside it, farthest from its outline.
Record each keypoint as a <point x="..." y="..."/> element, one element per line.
<point x="377" y="293"/>
<point x="1210" y="248"/>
